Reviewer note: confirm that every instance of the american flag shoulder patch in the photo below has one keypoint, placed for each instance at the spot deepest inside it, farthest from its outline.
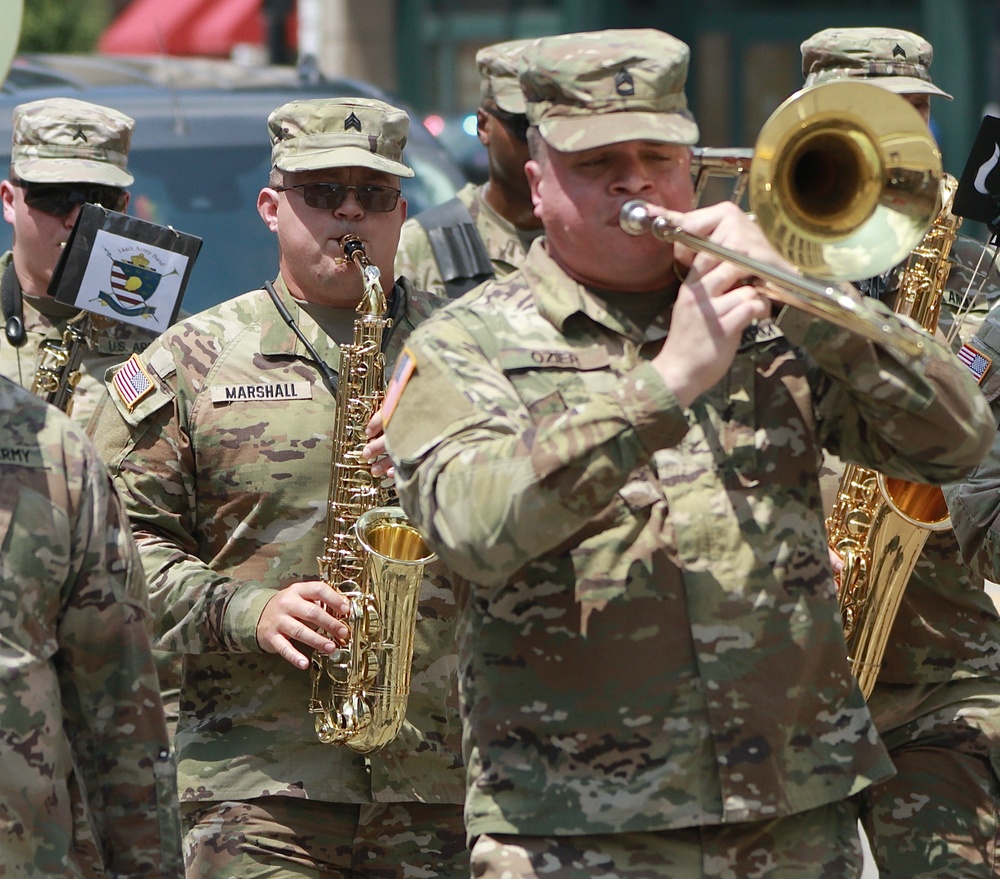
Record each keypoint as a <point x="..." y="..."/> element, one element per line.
<point x="977" y="362"/>
<point x="132" y="382"/>
<point x="405" y="366"/>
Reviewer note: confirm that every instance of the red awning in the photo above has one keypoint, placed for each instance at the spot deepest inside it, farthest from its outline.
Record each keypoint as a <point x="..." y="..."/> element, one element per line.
<point x="184" y="27"/>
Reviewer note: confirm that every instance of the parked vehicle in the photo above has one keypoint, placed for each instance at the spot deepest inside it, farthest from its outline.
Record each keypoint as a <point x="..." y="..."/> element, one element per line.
<point x="458" y="134"/>
<point x="200" y="151"/>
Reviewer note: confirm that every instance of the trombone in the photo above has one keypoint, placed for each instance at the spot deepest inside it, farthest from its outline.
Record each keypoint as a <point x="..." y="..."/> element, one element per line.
<point x="709" y="162"/>
<point x="839" y="192"/>
<point x="812" y="295"/>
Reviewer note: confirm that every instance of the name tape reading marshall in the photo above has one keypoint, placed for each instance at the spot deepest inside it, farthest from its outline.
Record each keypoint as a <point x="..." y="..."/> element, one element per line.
<point x="264" y="391"/>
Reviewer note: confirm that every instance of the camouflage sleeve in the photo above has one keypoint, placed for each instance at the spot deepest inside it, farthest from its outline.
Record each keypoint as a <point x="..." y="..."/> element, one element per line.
<point x="111" y="705"/>
<point x="921" y="418"/>
<point x="151" y="459"/>
<point x="492" y="484"/>
<point x="974" y="503"/>
<point x="415" y="259"/>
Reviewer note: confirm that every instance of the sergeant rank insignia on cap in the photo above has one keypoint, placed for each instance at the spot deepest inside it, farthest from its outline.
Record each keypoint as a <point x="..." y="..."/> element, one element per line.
<point x="624" y="84"/>
<point x="352" y="121"/>
<point x="132" y="383"/>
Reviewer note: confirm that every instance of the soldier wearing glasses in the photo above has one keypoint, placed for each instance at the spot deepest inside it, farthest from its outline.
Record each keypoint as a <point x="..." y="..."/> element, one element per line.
<point x="65" y="153"/>
<point x="485" y="231"/>
<point x="225" y="464"/>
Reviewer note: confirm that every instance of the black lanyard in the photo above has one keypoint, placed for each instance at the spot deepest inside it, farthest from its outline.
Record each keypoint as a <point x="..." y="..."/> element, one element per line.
<point x="329" y="376"/>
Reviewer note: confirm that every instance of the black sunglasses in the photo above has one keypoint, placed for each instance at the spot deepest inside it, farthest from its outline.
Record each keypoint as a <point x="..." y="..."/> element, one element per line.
<point x="515" y="123"/>
<point x="330" y="196"/>
<point x="59" y="199"/>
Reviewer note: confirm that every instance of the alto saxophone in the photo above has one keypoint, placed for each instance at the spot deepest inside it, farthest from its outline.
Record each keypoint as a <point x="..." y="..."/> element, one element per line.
<point x="371" y="553"/>
<point x="878" y="526"/>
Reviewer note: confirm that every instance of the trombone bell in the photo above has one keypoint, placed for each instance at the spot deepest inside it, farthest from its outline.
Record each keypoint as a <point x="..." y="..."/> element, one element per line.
<point x="845" y="180"/>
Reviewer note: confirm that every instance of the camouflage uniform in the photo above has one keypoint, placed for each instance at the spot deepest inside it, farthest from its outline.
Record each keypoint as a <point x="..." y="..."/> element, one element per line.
<point x="86" y="781"/>
<point x="937" y="700"/>
<point x="505" y="244"/>
<point x="648" y="631"/>
<point x="227" y="498"/>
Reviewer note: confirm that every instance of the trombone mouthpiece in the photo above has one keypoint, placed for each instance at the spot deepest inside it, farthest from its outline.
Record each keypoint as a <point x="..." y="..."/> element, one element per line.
<point x="634" y="217"/>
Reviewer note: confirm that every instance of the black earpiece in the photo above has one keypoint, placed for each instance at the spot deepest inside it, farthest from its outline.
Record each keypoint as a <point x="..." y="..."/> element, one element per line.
<point x="15" y="331"/>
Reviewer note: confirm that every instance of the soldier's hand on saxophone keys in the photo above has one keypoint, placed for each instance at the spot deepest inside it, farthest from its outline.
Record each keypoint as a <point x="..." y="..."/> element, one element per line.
<point x="304" y="613"/>
<point x="374" y="451"/>
<point x="836" y="562"/>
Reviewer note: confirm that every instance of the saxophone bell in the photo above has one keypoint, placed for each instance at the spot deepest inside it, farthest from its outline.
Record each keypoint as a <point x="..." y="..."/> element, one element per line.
<point x="879" y="525"/>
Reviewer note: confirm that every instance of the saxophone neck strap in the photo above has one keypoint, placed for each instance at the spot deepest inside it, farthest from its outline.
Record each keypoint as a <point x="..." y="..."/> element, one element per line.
<point x="329" y="376"/>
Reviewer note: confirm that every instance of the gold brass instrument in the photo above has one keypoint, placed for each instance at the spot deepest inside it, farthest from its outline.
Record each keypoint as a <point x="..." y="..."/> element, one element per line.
<point x="845" y="179"/>
<point x="58" y="371"/>
<point x="878" y="525"/>
<point x="371" y="553"/>
<point x="838" y="196"/>
<point x="709" y="162"/>
<point x="812" y="295"/>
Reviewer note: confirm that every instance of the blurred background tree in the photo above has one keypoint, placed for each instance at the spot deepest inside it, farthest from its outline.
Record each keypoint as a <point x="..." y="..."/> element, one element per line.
<point x="64" y="25"/>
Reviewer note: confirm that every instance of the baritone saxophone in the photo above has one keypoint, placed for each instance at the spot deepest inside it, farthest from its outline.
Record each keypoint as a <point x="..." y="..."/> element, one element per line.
<point x="879" y="526"/>
<point x="371" y="553"/>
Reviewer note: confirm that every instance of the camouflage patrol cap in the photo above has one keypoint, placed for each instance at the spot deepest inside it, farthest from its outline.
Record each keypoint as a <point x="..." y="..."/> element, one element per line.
<point x="592" y="89"/>
<point x="498" y="71"/>
<point x="63" y="140"/>
<point x="894" y="59"/>
<point x="339" y="133"/>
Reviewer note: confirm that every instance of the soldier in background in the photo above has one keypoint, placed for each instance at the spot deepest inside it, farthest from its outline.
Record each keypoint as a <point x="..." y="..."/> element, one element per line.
<point x="224" y="462"/>
<point x="65" y="153"/>
<point x="936" y="702"/>
<point x="86" y="778"/>
<point x="485" y="231"/>
<point x="616" y="451"/>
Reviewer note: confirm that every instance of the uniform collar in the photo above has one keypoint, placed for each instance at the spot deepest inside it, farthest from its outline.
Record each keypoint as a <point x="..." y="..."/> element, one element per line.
<point x="278" y="339"/>
<point x="559" y="298"/>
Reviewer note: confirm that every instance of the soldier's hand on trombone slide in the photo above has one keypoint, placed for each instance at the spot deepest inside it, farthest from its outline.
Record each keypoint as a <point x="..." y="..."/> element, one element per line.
<point x="716" y="300"/>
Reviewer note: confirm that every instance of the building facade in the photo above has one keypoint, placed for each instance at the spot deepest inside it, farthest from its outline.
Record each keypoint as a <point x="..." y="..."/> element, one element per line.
<point x="745" y="53"/>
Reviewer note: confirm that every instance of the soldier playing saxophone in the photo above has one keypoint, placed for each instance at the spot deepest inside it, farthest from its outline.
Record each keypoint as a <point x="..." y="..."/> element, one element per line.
<point x="224" y="462"/>
<point x="936" y="699"/>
